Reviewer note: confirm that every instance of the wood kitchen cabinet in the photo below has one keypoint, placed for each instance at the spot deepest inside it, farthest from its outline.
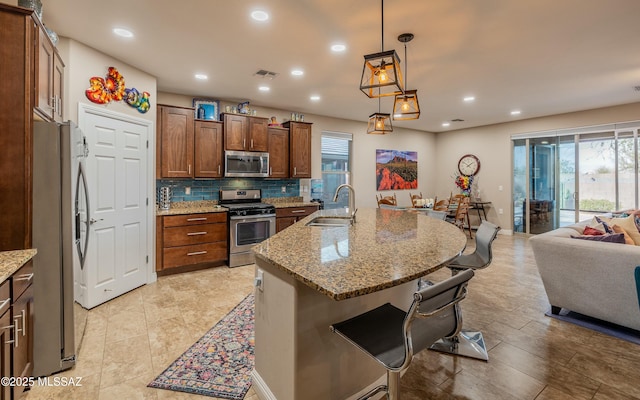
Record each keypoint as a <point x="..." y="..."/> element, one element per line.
<point x="278" y="152"/>
<point x="18" y="36"/>
<point x="208" y="150"/>
<point x="288" y="216"/>
<point x="245" y="133"/>
<point x="191" y="239"/>
<point x="299" y="149"/>
<point x="49" y="78"/>
<point x="175" y="141"/>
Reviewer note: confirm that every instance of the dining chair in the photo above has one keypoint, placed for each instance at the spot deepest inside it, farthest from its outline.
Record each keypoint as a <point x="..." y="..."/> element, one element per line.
<point x="470" y="343"/>
<point x="440" y="205"/>
<point x="391" y="336"/>
<point x="461" y="217"/>
<point x="387" y="200"/>
<point x="415" y="197"/>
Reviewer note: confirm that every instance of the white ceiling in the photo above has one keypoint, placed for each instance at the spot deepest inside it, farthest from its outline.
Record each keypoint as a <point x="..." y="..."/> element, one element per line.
<point x="543" y="57"/>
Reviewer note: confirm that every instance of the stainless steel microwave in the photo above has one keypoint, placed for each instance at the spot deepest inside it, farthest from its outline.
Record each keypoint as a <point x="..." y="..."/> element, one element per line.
<point x="246" y="164"/>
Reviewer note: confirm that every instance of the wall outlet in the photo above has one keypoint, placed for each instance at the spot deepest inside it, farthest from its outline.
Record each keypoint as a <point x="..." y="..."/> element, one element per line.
<point x="259" y="280"/>
<point x="500" y="211"/>
<point x="283" y="189"/>
<point x="187" y="190"/>
<point x="500" y="188"/>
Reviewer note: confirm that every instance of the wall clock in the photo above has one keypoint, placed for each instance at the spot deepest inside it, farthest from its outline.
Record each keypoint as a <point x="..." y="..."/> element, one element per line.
<point x="469" y="165"/>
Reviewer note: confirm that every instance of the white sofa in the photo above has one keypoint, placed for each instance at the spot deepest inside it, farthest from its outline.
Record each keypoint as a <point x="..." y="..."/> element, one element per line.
<point x="590" y="278"/>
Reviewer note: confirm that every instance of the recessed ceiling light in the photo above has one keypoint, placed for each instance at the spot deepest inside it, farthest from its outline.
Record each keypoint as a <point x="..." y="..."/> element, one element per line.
<point x="260" y="15"/>
<point x="201" y="77"/>
<point x="314" y="97"/>
<point x="338" y="47"/>
<point x="123" y="32"/>
<point x="264" y="88"/>
<point x="297" y="72"/>
<point x="515" y="112"/>
<point x="469" y="99"/>
<point x="445" y="124"/>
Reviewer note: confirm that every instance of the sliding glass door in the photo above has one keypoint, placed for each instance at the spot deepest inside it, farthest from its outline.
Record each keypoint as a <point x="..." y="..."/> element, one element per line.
<point x="567" y="177"/>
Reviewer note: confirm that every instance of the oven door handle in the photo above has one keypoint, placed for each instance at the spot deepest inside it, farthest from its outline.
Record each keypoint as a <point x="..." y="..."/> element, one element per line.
<point x="253" y="218"/>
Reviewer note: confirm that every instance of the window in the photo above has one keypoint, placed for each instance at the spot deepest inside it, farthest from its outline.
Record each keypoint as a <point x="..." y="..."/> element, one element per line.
<point x="336" y="167"/>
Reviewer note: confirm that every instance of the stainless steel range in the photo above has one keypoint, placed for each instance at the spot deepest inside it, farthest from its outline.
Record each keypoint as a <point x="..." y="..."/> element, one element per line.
<point x="250" y="222"/>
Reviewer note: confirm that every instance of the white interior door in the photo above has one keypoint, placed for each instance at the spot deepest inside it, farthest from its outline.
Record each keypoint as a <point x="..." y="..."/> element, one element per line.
<point x="117" y="176"/>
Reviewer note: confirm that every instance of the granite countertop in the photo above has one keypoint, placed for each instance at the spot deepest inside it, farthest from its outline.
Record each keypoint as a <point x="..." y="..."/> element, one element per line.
<point x="384" y="248"/>
<point x="11" y="261"/>
<point x="192" y="207"/>
<point x="207" y="206"/>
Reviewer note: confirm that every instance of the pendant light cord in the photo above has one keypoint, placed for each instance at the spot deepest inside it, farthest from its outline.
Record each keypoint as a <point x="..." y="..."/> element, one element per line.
<point x="382" y="25"/>
<point x="404" y="91"/>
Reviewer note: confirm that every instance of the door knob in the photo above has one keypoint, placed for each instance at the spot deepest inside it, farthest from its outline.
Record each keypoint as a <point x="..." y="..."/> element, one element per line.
<point x="93" y="221"/>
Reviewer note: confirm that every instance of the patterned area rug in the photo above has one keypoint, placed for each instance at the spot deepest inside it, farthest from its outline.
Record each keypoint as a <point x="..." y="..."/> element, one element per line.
<point x="220" y="363"/>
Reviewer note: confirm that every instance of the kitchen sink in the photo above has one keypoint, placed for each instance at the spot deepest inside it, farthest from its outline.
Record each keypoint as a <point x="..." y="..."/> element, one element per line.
<point x="329" y="221"/>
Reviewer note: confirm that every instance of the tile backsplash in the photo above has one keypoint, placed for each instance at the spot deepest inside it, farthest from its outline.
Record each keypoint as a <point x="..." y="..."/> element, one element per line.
<point x="209" y="189"/>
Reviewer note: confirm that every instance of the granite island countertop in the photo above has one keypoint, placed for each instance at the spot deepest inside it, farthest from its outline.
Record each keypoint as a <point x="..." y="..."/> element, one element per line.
<point x="11" y="261"/>
<point x="192" y="207"/>
<point x="384" y="248"/>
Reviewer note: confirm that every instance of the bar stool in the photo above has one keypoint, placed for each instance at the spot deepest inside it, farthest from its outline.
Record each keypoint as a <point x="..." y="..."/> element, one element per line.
<point x="391" y="337"/>
<point x="471" y="343"/>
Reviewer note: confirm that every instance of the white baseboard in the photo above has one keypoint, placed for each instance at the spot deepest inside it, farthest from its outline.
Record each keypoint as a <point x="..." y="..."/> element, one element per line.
<point x="508" y="232"/>
<point x="260" y="387"/>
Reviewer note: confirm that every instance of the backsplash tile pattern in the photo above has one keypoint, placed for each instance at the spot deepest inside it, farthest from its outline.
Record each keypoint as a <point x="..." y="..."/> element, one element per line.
<point x="209" y="189"/>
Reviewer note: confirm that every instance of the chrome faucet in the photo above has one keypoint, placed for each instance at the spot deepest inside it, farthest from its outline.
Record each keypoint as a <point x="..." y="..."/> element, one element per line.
<point x="352" y="200"/>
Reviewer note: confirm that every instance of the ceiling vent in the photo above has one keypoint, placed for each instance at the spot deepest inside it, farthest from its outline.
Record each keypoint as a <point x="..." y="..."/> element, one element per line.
<point x="457" y="120"/>
<point x="636" y="88"/>
<point x="263" y="73"/>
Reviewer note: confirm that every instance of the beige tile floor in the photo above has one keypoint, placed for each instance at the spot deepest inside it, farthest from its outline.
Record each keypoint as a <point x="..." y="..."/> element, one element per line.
<point x="133" y="338"/>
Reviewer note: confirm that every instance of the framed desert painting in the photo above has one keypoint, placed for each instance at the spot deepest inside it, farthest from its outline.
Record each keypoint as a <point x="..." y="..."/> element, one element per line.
<point x="396" y="170"/>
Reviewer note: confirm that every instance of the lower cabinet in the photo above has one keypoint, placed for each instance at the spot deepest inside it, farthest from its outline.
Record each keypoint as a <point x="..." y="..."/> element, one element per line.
<point x="16" y="330"/>
<point x="191" y="239"/>
<point x="288" y="216"/>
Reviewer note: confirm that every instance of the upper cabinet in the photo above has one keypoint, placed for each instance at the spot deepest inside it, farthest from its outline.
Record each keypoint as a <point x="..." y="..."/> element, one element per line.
<point x="208" y="149"/>
<point x="49" y="78"/>
<point x="175" y="141"/>
<point x="299" y="149"/>
<point x="278" y="152"/>
<point x="187" y="148"/>
<point x="245" y="133"/>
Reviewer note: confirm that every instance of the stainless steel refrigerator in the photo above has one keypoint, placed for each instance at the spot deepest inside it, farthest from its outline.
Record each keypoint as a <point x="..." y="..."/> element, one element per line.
<point x="60" y="234"/>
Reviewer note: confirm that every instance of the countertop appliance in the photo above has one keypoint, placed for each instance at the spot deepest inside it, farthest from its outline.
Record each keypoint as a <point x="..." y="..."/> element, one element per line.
<point x="246" y="164"/>
<point x="250" y="222"/>
<point x="60" y="235"/>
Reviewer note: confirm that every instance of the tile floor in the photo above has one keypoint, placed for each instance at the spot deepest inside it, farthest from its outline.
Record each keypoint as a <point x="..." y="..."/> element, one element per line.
<point x="133" y="338"/>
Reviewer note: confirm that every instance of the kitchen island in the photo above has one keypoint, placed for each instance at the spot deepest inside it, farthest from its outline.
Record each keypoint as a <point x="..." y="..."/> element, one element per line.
<point x="312" y="277"/>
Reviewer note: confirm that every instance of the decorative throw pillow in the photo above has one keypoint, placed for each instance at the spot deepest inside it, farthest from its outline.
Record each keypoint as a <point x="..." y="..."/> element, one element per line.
<point x="596" y="223"/>
<point x="619" y="229"/>
<point x="608" y="238"/>
<point x="592" y="231"/>
<point x="628" y="224"/>
<point x="607" y="228"/>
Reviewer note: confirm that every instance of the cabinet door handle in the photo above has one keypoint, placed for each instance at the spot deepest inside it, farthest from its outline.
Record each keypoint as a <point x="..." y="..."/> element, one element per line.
<point x="15" y="332"/>
<point x="298" y="211"/>
<point x="218" y="169"/>
<point x="196" y="253"/>
<point x="4" y="302"/>
<point x="244" y="143"/>
<point x="189" y="169"/>
<point x="196" y="233"/>
<point x="295" y="171"/>
<point x="24" y="277"/>
<point x="196" y="219"/>
<point x="270" y="171"/>
<point x="24" y="322"/>
<point x="252" y="143"/>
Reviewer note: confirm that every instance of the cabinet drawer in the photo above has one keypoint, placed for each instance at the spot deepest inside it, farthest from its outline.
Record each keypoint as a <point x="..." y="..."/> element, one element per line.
<point x="194" y="219"/>
<point x="22" y="279"/>
<point x="295" y="211"/>
<point x="187" y="255"/>
<point x="5" y="296"/>
<point x="194" y="234"/>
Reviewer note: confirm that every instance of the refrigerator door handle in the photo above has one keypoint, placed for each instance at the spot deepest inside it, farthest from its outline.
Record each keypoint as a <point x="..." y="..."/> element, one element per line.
<point x="82" y="183"/>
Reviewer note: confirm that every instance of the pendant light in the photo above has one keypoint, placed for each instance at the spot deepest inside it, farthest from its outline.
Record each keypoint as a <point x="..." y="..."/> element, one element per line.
<point x="381" y="70"/>
<point x="379" y="123"/>
<point x="405" y="105"/>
